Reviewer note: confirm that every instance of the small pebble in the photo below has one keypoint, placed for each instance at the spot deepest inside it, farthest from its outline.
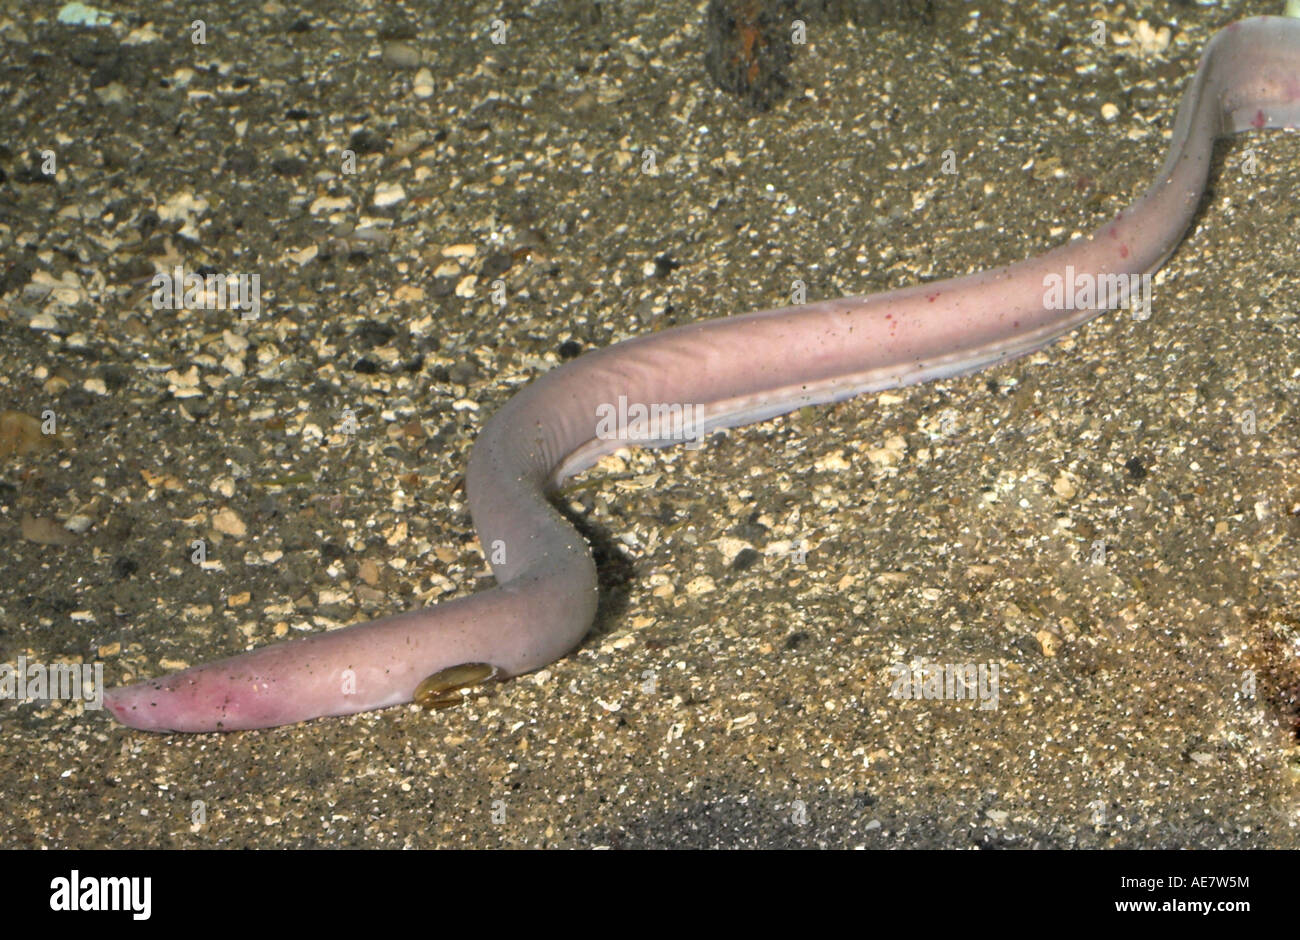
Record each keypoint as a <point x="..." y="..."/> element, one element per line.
<point x="388" y="194"/>
<point x="401" y="54"/>
<point x="227" y="522"/>
<point x="422" y="87"/>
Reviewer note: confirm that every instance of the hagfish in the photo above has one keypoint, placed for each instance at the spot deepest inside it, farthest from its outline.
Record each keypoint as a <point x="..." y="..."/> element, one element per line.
<point x="737" y="370"/>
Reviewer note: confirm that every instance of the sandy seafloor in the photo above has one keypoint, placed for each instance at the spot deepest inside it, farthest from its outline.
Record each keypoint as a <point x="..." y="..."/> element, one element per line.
<point x="729" y="695"/>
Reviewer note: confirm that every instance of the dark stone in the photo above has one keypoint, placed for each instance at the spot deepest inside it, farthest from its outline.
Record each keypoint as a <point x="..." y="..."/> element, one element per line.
<point x="496" y="264"/>
<point x="372" y="333"/>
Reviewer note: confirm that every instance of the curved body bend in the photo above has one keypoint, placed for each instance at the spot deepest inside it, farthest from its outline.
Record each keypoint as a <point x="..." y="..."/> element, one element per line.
<point x="738" y="370"/>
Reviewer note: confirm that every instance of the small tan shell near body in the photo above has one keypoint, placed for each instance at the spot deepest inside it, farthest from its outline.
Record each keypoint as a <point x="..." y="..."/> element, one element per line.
<point x="442" y="689"/>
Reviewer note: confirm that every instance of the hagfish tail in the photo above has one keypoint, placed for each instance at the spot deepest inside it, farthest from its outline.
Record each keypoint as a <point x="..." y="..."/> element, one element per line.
<point x="739" y="369"/>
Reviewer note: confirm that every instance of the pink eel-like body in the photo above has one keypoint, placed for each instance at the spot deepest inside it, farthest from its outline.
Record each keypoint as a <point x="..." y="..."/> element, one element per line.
<point x="741" y="369"/>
